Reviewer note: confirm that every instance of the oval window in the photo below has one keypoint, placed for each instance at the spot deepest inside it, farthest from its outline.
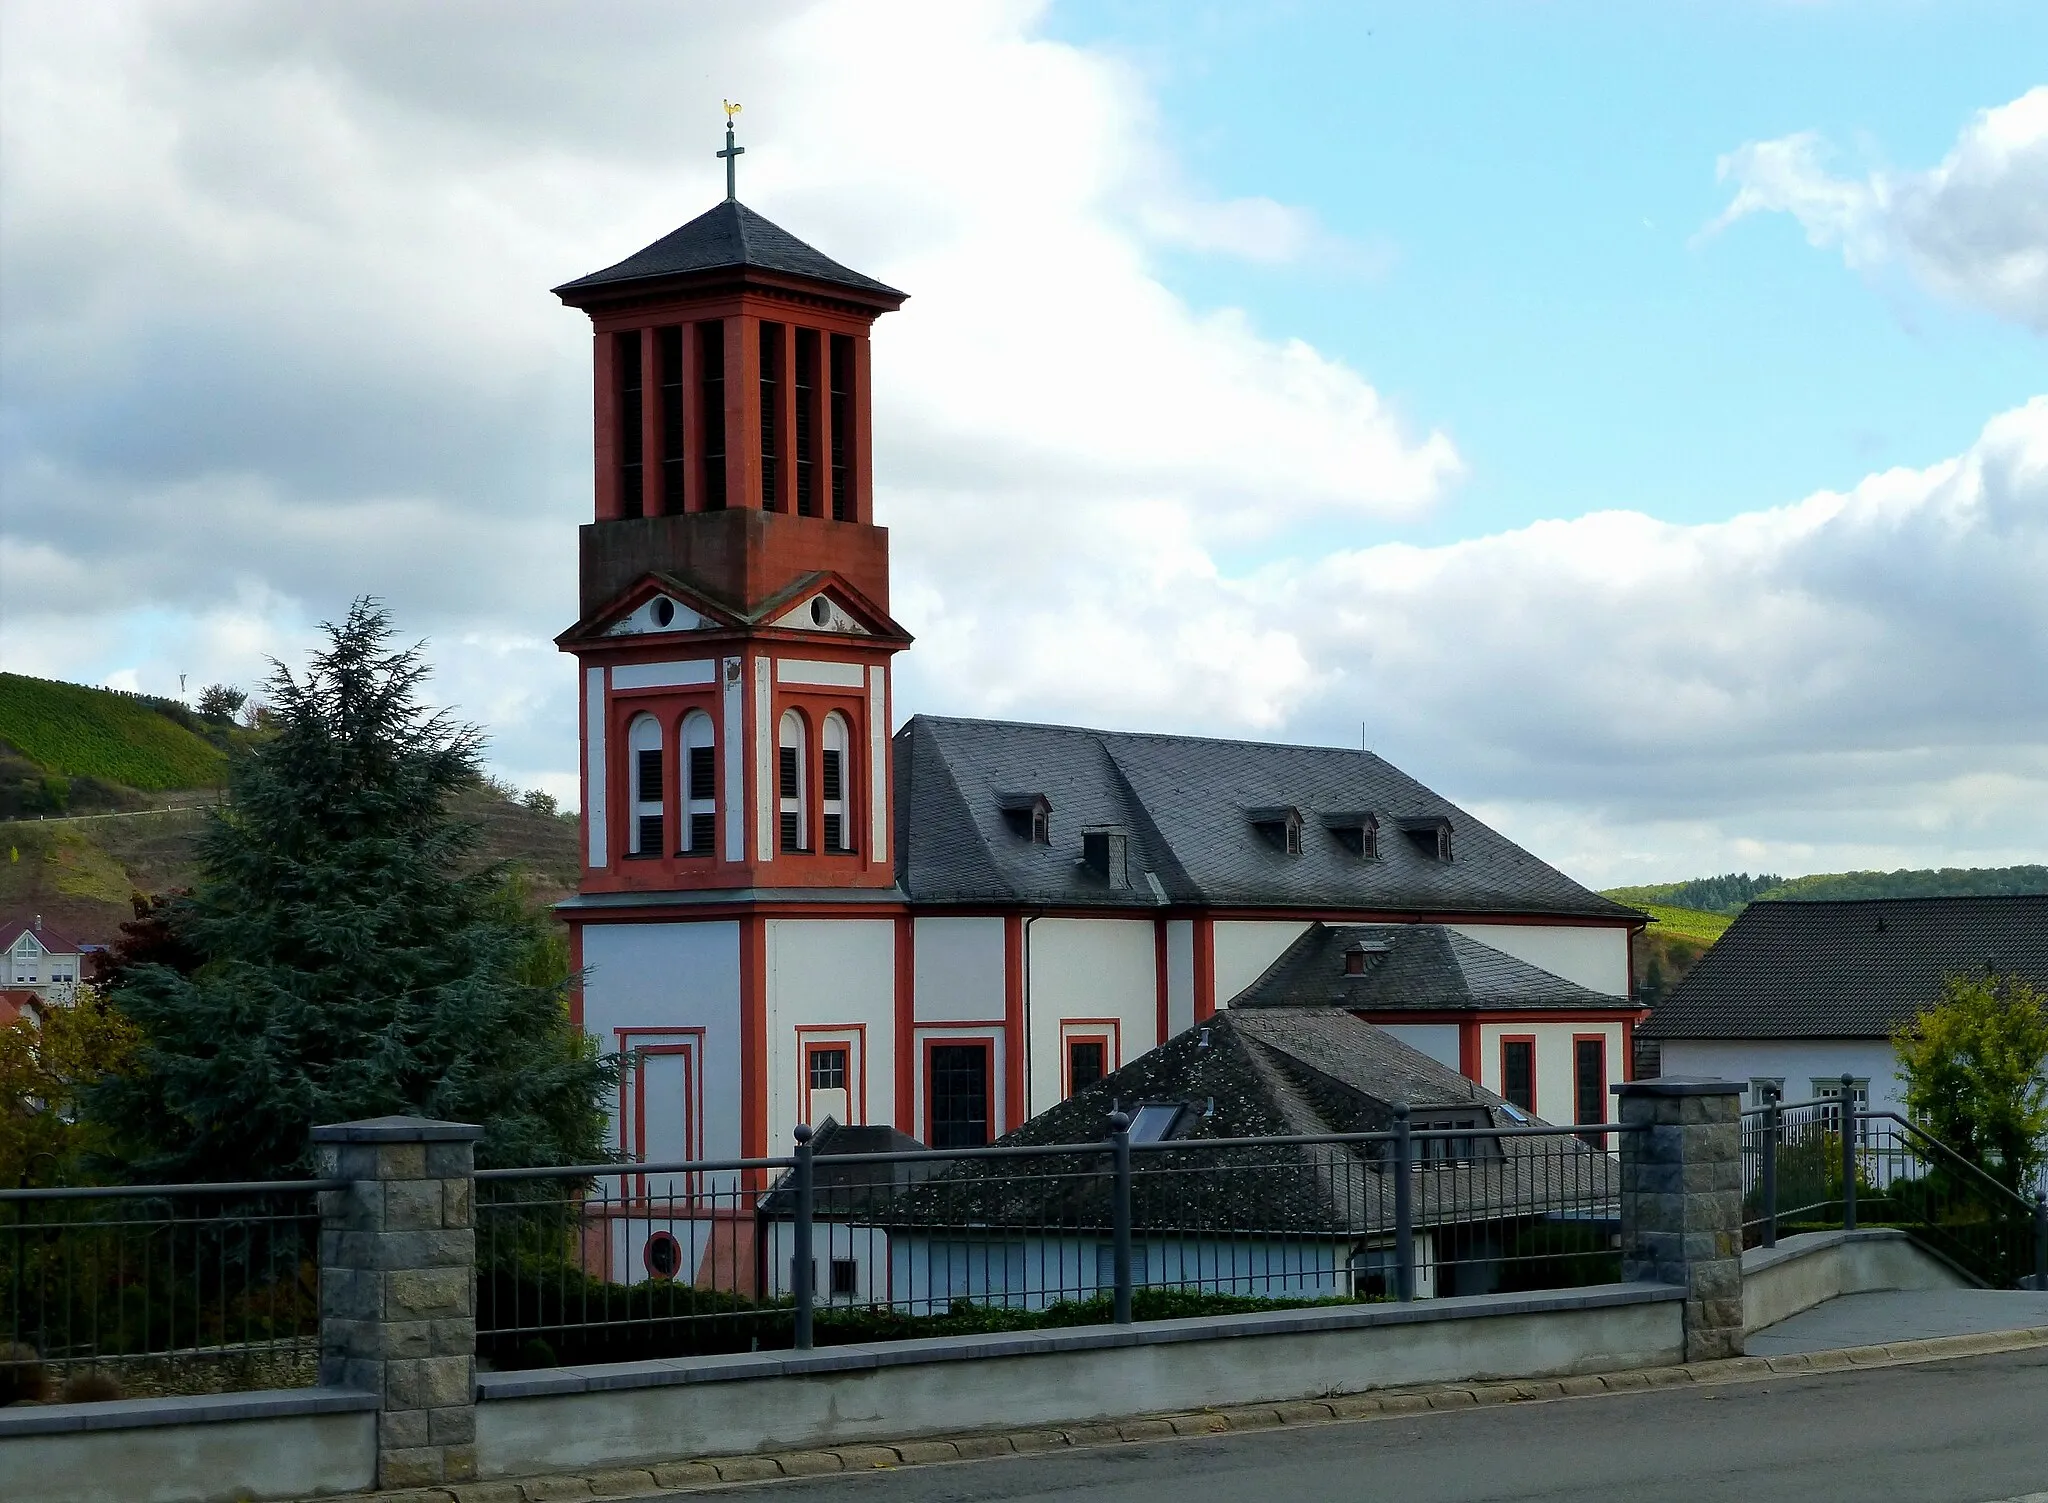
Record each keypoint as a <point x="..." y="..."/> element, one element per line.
<point x="664" y="612"/>
<point x="821" y="611"/>
<point x="664" y="1255"/>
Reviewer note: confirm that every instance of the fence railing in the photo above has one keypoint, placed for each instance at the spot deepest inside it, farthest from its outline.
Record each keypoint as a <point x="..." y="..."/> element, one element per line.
<point x="1803" y="1172"/>
<point x="134" y="1290"/>
<point x="616" y="1262"/>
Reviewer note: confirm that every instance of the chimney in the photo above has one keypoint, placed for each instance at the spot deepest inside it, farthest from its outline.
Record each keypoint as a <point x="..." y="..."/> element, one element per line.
<point x="1103" y="849"/>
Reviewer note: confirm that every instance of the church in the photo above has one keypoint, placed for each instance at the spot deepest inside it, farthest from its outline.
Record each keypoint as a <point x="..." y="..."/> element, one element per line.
<point x="793" y="909"/>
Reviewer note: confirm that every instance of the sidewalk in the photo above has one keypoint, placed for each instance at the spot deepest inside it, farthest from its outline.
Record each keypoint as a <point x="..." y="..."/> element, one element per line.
<point x="1853" y="1320"/>
<point x="690" y="1475"/>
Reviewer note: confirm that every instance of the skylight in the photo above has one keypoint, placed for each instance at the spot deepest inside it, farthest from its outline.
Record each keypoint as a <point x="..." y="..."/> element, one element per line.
<point x="1154" y="1121"/>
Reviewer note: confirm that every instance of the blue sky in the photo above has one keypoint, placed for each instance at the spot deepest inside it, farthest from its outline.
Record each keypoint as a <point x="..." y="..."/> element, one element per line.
<point x="1538" y="178"/>
<point x="1635" y="417"/>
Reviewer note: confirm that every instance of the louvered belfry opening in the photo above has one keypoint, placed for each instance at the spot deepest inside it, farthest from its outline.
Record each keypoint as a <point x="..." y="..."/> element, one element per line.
<point x="842" y="427"/>
<point x="630" y="416"/>
<point x="771" y="407"/>
<point x="669" y="350"/>
<point x="711" y="387"/>
<point x="806" y="422"/>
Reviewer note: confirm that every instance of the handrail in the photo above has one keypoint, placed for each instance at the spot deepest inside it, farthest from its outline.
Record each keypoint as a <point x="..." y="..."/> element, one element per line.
<point x="1929" y="1140"/>
<point x="144" y="1192"/>
<point x="1044" y="1150"/>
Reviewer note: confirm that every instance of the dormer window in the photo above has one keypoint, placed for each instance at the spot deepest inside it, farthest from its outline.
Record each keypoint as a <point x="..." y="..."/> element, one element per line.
<point x="1359" y="957"/>
<point x="1357" y="831"/>
<point x="1279" y="826"/>
<point x="1431" y="835"/>
<point x="1105" y="852"/>
<point x="1029" y="816"/>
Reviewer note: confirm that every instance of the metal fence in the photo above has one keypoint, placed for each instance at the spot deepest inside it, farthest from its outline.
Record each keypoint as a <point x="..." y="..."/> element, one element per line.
<point x="159" y="1288"/>
<point x="1803" y="1172"/>
<point x="619" y="1262"/>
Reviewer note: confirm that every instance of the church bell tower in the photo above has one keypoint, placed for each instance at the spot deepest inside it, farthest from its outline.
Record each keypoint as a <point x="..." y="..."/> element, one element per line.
<point x="734" y="636"/>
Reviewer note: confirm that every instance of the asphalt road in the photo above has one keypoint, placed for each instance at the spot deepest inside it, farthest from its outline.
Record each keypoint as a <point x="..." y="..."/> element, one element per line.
<point x="1966" y="1431"/>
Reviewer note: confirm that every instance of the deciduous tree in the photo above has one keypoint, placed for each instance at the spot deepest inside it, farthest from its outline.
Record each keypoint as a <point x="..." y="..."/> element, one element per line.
<point x="1975" y="1067"/>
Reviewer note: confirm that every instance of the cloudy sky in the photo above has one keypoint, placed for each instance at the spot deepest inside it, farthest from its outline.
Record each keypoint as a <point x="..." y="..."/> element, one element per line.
<point x="1632" y="421"/>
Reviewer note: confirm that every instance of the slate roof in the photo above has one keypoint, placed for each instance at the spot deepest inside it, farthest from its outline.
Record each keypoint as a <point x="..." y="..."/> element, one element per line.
<point x="1268" y="1072"/>
<point x="1847" y="969"/>
<point x="1411" y="968"/>
<point x="726" y="237"/>
<point x="1185" y="803"/>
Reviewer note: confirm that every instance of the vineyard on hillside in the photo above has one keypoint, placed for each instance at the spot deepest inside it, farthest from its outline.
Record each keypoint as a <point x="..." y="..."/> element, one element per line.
<point x="78" y="732"/>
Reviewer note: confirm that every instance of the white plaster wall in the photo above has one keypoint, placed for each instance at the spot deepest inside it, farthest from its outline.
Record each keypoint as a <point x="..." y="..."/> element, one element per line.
<point x="1180" y="976"/>
<point x="1438" y="1040"/>
<point x="1553" y="1062"/>
<point x="673" y="976"/>
<point x="1595" y="957"/>
<point x="1798" y="1061"/>
<point x="1245" y="947"/>
<point x="1087" y="968"/>
<point x="958" y="972"/>
<point x="837" y="972"/>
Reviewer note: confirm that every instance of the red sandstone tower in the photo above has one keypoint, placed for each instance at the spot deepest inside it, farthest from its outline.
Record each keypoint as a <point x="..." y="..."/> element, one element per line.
<point x="734" y="633"/>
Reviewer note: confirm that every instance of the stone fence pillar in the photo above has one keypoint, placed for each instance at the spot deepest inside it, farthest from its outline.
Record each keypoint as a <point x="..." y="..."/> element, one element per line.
<point x="398" y="1288"/>
<point x="1681" y="1201"/>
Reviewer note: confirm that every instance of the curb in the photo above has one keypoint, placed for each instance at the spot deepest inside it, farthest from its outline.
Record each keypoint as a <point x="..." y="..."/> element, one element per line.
<point x="669" y="1478"/>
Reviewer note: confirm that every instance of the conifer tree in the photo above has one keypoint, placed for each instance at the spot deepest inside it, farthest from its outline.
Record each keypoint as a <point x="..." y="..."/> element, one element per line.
<point x="355" y="958"/>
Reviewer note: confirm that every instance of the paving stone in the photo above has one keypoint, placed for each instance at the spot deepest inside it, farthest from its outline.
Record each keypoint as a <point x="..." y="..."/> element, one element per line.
<point x="622" y="1482"/>
<point x="746" y="1468"/>
<point x="974" y="1447"/>
<point x="1199" y="1424"/>
<point x="1305" y="1413"/>
<point x="1026" y="1441"/>
<point x="924" y="1452"/>
<point x="1452" y="1398"/>
<point x="868" y="1458"/>
<point x="489" y="1492"/>
<point x="1404" y="1403"/>
<point x="548" y="1489"/>
<point x="808" y="1463"/>
<point x="1255" y="1417"/>
<point x="687" y="1474"/>
<point x="1580" y="1386"/>
<point x="1616" y="1382"/>
<point x="1351" y="1406"/>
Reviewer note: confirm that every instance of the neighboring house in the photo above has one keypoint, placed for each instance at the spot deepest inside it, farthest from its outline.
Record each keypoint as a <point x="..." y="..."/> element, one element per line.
<point x="17" y="1006"/>
<point x="790" y="908"/>
<point x="35" y="958"/>
<point x="1269" y="1220"/>
<point x="1795" y="995"/>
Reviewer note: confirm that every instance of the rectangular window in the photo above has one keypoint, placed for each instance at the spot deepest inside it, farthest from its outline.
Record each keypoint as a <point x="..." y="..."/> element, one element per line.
<point x="845" y="1278"/>
<point x="711" y="393"/>
<point x="669" y="348"/>
<point x="703" y="833"/>
<point x="1764" y="1089"/>
<point x="1086" y="1063"/>
<point x="650" y="836"/>
<point x="788" y="786"/>
<point x="1589" y="1080"/>
<point x="771" y="410"/>
<point x="629" y="415"/>
<point x="806" y="378"/>
<point x="648" y="775"/>
<point x="833" y="780"/>
<point x="959" y="1095"/>
<point x="841" y="360"/>
<point x="1518" y="1073"/>
<point x="1105" y="1265"/>
<point x="828" y="1069"/>
<point x="703" y="772"/>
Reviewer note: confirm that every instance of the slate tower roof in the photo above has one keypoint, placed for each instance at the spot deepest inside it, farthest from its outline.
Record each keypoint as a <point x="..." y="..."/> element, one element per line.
<point x="727" y="237"/>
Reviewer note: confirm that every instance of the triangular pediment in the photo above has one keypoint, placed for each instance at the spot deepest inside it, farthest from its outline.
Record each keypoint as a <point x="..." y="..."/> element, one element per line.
<point x="821" y="613"/>
<point x="654" y="605"/>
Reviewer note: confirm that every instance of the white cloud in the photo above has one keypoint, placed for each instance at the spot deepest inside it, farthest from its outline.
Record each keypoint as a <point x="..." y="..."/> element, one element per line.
<point x="275" y="331"/>
<point x="1973" y="229"/>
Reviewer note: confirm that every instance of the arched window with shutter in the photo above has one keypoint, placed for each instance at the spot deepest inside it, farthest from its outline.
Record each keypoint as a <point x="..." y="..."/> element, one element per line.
<point x="835" y="779"/>
<point x="700" y="786"/>
<point x="790" y="759"/>
<point x="643" y="743"/>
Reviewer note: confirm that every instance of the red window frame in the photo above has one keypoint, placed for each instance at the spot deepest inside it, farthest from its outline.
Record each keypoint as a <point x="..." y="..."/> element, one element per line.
<point x="1599" y="1102"/>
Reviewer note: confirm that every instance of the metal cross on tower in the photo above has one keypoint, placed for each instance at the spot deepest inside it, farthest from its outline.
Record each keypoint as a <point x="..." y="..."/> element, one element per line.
<point x="731" y="154"/>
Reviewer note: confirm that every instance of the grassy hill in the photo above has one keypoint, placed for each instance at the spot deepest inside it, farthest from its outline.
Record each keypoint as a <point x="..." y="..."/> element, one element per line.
<point x="70" y="731"/>
<point x="86" y="776"/>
